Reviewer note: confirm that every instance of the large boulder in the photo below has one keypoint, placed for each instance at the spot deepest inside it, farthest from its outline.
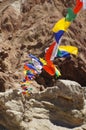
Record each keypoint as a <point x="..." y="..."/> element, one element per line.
<point x="62" y="104"/>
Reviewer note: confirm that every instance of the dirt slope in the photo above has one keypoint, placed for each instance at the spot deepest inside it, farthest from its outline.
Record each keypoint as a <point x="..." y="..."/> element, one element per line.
<point x="30" y="31"/>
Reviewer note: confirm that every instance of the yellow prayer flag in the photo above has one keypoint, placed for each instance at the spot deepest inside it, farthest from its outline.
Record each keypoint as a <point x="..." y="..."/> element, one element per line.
<point x="43" y="61"/>
<point x="70" y="49"/>
<point x="25" y="72"/>
<point x="61" y="25"/>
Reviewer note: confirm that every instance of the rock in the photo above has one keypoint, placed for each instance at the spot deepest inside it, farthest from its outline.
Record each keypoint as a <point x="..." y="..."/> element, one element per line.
<point x="77" y="67"/>
<point x="10" y="20"/>
<point x="11" y="110"/>
<point x="2" y="127"/>
<point x="84" y="127"/>
<point x="84" y="90"/>
<point x="27" y="28"/>
<point x="71" y="90"/>
<point x="35" y="33"/>
<point x="3" y="78"/>
<point x="64" y="98"/>
<point x="1" y="1"/>
<point x="58" y="105"/>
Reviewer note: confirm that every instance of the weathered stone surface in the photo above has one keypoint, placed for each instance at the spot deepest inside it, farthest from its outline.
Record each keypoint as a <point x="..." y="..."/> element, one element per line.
<point x="61" y="105"/>
<point x="35" y="33"/>
<point x="71" y="90"/>
<point x="10" y="20"/>
<point x="1" y="1"/>
<point x="28" y="29"/>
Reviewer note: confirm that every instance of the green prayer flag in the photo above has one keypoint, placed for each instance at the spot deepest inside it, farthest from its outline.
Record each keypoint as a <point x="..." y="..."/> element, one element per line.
<point x="70" y="15"/>
<point x="59" y="53"/>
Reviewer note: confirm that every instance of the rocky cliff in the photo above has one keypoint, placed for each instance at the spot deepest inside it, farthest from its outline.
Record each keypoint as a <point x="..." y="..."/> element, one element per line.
<point x="26" y="27"/>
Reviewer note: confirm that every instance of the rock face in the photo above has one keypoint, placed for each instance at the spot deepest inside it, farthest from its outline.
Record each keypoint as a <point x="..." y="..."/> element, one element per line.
<point x="62" y="104"/>
<point x="26" y="27"/>
<point x="10" y="21"/>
